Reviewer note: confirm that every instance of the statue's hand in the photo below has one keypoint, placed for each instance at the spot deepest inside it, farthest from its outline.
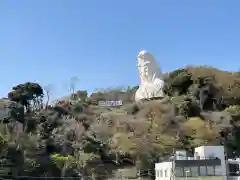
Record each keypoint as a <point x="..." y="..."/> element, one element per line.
<point x="159" y="85"/>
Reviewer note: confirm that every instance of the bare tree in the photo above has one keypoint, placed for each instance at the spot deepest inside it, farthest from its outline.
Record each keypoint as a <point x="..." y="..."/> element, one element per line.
<point x="48" y="90"/>
<point x="73" y="82"/>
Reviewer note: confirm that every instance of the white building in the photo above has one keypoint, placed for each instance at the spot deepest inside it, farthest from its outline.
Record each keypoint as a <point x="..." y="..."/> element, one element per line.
<point x="164" y="171"/>
<point x="208" y="161"/>
<point x="213" y="152"/>
<point x="233" y="169"/>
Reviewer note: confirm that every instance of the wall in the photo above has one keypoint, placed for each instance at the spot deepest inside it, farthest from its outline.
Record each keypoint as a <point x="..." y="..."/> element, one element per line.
<point x="216" y="151"/>
<point x="164" y="166"/>
<point x="202" y="178"/>
<point x="233" y="167"/>
<point x="234" y="178"/>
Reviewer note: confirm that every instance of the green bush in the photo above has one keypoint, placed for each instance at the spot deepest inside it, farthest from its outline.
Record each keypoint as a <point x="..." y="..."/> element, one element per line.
<point x="131" y="108"/>
<point x="235" y="109"/>
<point x="178" y="82"/>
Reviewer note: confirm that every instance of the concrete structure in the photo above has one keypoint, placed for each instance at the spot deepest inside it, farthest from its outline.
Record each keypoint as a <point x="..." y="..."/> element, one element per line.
<point x="152" y="82"/>
<point x="164" y="171"/>
<point x="207" y="162"/>
<point x="233" y="169"/>
<point x="211" y="152"/>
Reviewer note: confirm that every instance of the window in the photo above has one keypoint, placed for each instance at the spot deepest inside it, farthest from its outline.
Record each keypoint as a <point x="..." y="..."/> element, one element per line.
<point x="179" y="172"/>
<point x="166" y="175"/>
<point x="187" y="171"/>
<point x="160" y="173"/>
<point x="194" y="171"/>
<point x="210" y="170"/>
<point x="203" y="171"/>
<point x="218" y="171"/>
<point x="233" y="169"/>
<point x="157" y="173"/>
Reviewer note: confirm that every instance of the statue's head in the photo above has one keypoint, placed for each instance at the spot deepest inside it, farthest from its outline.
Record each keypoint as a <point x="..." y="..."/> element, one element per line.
<point x="147" y="67"/>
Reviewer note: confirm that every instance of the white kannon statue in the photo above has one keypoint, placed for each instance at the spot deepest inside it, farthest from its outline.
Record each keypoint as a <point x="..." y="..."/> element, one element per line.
<point x="151" y="77"/>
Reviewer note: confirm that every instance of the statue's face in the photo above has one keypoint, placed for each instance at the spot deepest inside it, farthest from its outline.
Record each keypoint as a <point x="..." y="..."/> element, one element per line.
<point x="144" y="71"/>
<point x="145" y="66"/>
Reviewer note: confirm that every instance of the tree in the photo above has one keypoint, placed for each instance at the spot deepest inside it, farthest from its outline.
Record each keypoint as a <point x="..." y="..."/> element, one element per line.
<point x="178" y="82"/>
<point x="96" y="97"/>
<point x="73" y="82"/>
<point x="72" y="138"/>
<point x="80" y="96"/>
<point x="48" y="89"/>
<point x="29" y="94"/>
<point x="63" y="162"/>
<point x="200" y="132"/>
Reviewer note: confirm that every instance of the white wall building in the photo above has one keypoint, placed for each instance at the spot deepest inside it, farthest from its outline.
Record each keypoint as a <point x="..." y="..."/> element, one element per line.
<point x="233" y="169"/>
<point x="212" y="152"/>
<point x="164" y="170"/>
<point x="207" y="161"/>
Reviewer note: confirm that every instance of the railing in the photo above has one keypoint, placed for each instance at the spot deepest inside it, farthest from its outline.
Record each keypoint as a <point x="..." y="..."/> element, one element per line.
<point x="194" y="158"/>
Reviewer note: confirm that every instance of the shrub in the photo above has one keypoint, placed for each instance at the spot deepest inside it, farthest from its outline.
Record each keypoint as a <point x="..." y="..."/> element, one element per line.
<point x="235" y="109"/>
<point x="131" y="108"/>
<point x="178" y="82"/>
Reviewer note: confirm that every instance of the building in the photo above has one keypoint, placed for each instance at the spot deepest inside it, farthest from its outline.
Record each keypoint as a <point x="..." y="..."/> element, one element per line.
<point x="208" y="162"/>
<point x="233" y="169"/>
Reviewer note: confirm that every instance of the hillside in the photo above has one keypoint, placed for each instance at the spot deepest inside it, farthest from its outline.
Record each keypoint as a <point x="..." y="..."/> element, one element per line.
<point x="75" y="137"/>
<point x="229" y="82"/>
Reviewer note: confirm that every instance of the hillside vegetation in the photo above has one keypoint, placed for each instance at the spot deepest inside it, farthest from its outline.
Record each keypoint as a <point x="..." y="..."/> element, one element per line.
<point x="77" y="138"/>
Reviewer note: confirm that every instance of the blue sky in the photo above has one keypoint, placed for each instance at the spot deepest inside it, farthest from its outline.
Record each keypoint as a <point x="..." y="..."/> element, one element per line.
<point x="50" y="41"/>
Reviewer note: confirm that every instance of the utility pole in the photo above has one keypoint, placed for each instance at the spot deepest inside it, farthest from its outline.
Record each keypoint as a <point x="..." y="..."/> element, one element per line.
<point x="186" y="174"/>
<point x="173" y="157"/>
